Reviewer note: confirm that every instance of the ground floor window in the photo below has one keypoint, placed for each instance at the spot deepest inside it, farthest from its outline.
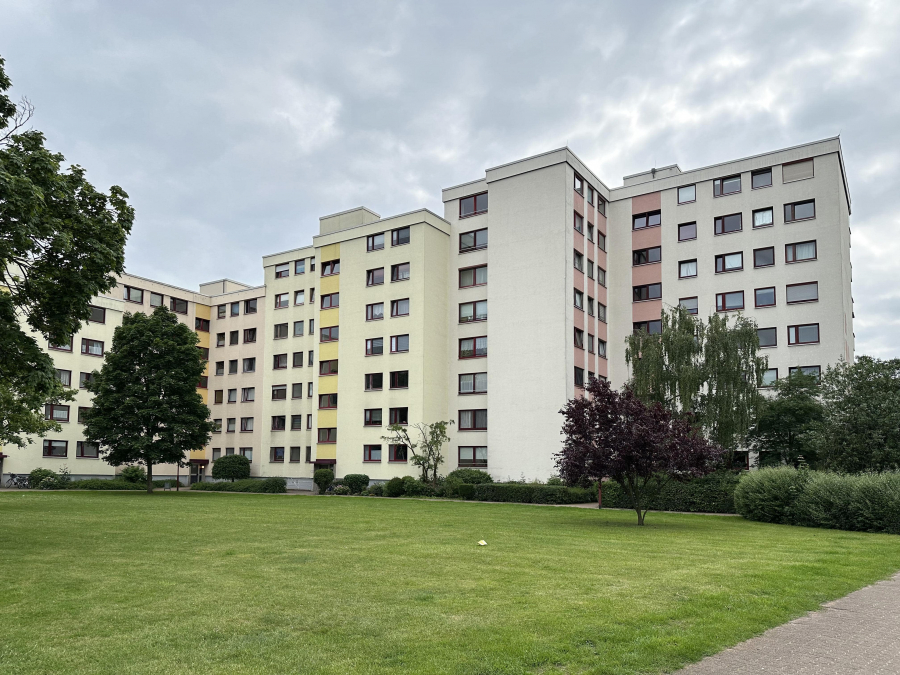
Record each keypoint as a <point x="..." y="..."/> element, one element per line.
<point x="473" y="455"/>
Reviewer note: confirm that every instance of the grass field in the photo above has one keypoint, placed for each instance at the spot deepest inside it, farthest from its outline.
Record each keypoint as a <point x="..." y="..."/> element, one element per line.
<point x="234" y="583"/>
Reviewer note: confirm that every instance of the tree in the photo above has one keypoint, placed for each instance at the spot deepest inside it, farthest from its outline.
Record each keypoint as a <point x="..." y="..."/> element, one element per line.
<point x="641" y="446"/>
<point x="146" y="408"/>
<point x="860" y="425"/>
<point x="231" y="467"/>
<point x="782" y="426"/>
<point x="431" y="442"/>
<point x="61" y="243"/>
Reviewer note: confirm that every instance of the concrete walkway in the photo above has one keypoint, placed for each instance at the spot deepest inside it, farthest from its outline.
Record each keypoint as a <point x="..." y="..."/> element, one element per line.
<point x="859" y="633"/>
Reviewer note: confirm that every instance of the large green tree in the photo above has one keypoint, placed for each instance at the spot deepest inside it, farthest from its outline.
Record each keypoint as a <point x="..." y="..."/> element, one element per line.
<point x="781" y="431"/>
<point x="860" y="425"/>
<point x="146" y="407"/>
<point x="61" y="243"/>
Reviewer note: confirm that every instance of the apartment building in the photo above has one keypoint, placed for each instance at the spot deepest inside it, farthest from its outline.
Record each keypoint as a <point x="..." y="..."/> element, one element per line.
<point x="419" y="317"/>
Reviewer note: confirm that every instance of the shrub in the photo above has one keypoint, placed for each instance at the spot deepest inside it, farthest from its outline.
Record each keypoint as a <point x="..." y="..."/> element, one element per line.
<point x="710" y="494"/>
<point x="58" y="481"/>
<point x="38" y="475"/>
<point x="466" y="491"/>
<point x="376" y="489"/>
<point x="529" y="493"/>
<point x="210" y="487"/>
<point x="103" y="484"/>
<point x="555" y="480"/>
<point x="471" y="476"/>
<point x="272" y="485"/>
<point x="357" y="482"/>
<point x="393" y="488"/>
<point x="134" y="474"/>
<point x="231" y="467"/>
<point x="342" y="490"/>
<point x="768" y="495"/>
<point x="412" y="487"/>
<point x="323" y="478"/>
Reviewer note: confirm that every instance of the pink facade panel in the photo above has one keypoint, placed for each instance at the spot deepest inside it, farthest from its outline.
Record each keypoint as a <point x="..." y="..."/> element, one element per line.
<point x="648" y="202"/>
<point x="646" y="274"/>
<point x="649" y="236"/>
<point x="578" y="316"/>
<point x="578" y="203"/>
<point x="648" y="310"/>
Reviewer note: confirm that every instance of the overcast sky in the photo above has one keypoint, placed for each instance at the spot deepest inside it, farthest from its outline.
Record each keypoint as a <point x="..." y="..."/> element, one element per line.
<point x="234" y="126"/>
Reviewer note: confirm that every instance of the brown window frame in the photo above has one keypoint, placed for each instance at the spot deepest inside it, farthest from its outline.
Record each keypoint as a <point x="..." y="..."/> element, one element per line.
<point x="474" y="463"/>
<point x="62" y="348"/>
<point x="86" y="341"/>
<point x="774" y="332"/>
<point x="282" y="270"/>
<point x="793" y="248"/>
<point x="393" y="452"/>
<point x="797" y="327"/>
<point x="250" y="306"/>
<point x="329" y="333"/>
<point x="637" y="254"/>
<point x="371" y="419"/>
<point x="178" y="305"/>
<point x="474" y="269"/>
<point x="764" y="248"/>
<point x="722" y="257"/>
<point x="719" y="183"/>
<point x="279" y="423"/>
<point x="395" y="342"/>
<point x="371" y="274"/>
<point x="475" y="354"/>
<point x="330" y="400"/>
<point x="475" y="211"/>
<point x="720" y="306"/>
<point x="370" y="311"/>
<point x="279" y="297"/>
<point x="127" y="295"/>
<point x="274" y="452"/>
<point x="395" y="307"/>
<point x="330" y="300"/>
<point x="801" y="302"/>
<point x="276" y="359"/>
<point x="369" y="382"/>
<point x="765" y="288"/>
<point x="79" y="450"/>
<point x="638" y="291"/>
<point x="680" y="225"/>
<point x="370" y="346"/>
<point x="201" y="324"/>
<point x="49" y="443"/>
<point x="395" y="236"/>
<point x="279" y="393"/>
<point x="250" y="335"/>
<point x="327" y="365"/>
<point x="678" y="194"/>
<point x="394" y="379"/>
<point x="395" y="272"/>
<point x="372" y="244"/>
<point x="369" y="451"/>
<point x="280" y="331"/>
<point x="696" y="309"/>
<point x="102" y="311"/>
<point x="475" y="246"/>
<point x="754" y="226"/>
<point x="793" y="208"/>
<point x="475" y="316"/>
<point x="761" y="172"/>
<point x="398" y="416"/>
<point x="331" y="268"/>
<point x="719" y="224"/>
<point x="49" y="409"/>
<point x="647" y="216"/>
<point x="688" y="276"/>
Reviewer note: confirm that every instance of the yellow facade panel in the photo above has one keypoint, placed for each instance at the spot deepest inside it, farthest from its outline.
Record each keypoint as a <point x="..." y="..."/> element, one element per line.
<point x="328" y="385"/>
<point x="326" y="451"/>
<point x="328" y="317"/>
<point x="330" y="252"/>
<point x="328" y="351"/>
<point x="329" y="284"/>
<point x="327" y="419"/>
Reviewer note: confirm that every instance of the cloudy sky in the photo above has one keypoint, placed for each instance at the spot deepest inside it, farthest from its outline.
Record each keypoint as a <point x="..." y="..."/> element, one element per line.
<point x="234" y="126"/>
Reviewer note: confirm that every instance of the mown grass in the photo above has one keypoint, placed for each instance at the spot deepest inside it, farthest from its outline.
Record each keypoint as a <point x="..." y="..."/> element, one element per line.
<point x="234" y="583"/>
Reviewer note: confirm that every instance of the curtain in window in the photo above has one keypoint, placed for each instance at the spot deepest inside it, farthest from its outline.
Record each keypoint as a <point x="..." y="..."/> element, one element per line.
<point x="762" y="218"/>
<point x="465" y="419"/>
<point x="480" y="381"/>
<point x="805" y="251"/>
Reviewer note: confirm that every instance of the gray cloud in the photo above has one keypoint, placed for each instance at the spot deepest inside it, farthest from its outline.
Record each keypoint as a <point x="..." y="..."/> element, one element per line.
<point x="234" y="126"/>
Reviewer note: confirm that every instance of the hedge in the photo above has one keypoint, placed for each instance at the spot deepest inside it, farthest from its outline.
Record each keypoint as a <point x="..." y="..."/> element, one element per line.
<point x="710" y="494"/>
<point x="868" y="502"/>
<point x="269" y="485"/>
<point x="527" y="493"/>
<point x="104" y="484"/>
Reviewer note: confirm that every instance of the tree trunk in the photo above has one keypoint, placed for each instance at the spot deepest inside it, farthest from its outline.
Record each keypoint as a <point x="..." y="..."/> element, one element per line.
<point x="150" y="477"/>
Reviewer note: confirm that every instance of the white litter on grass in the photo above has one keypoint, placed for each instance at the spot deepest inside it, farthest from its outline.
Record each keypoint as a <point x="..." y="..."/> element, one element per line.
<point x="482" y="543"/>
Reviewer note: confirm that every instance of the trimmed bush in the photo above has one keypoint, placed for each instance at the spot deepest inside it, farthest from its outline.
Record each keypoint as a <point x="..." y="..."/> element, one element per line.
<point x="342" y="490"/>
<point x="231" y="467"/>
<point x="530" y="493"/>
<point x="134" y="474"/>
<point x="103" y="484"/>
<point x="393" y="488"/>
<point x="471" y="476"/>
<point x="376" y="489"/>
<point x="273" y="485"/>
<point x="357" y="482"/>
<point x="710" y="494"/>
<point x="768" y="495"/>
<point x="323" y="478"/>
<point x="466" y="491"/>
<point x="38" y="475"/>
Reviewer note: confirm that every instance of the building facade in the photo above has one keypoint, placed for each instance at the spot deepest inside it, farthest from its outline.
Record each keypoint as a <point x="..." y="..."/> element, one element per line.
<point x="492" y="315"/>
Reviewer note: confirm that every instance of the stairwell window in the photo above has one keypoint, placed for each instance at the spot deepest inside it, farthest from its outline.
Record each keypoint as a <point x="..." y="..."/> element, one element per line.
<point x="473" y="241"/>
<point x="328" y="401"/>
<point x="331" y="267"/>
<point x="643" y="220"/>
<point x="473" y="205"/>
<point x="327" y="435"/>
<point x="645" y="256"/>
<point x="470" y="312"/>
<point x="329" y="334"/>
<point x="473" y="383"/>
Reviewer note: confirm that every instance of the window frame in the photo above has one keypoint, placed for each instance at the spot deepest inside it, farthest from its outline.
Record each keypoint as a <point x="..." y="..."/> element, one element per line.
<point x="793" y="247"/>
<point x="50" y="443"/>
<point x="719" y="184"/>
<point x="329" y="333"/>
<point x="696" y="309"/>
<point x="80" y="453"/>
<point x="102" y="311"/>
<point x="85" y="342"/>
<point x="774" y="330"/>
<point x="636" y="289"/>
<point x="274" y="453"/>
<point x="680" y="225"/>
<point x="475" y="316"/>
<point x="395" y="342"/>
<point x="328" y="364"/>
<point x="754" y="226"/>
<point x="723" y="256"/>
<point x="370" y="419"/>
<point x="396" y="270"/>
<point x="796" y="331"/>
<point x="395" y="308"/>
<point x="370" y="311"/>
<point x="371" y="274"/>
<point x="475" y="354"/>
<point x="474" y="426"/>
<point x="720" y="307"/>
<point x="635" y="255"/>
<point x="475" y="211"/>
<point x="474" y="377"/>
<point x="765" y="288"/>
<point x="331" y="268"/>
<point x="761" y="172"/>
<point x="333" y="300"/>
<point x="372" y="244"/>
<point x="474" y="269"/>
<point x="395" y="236"/>
<point x="282" y="270"/>
<point x="764" y="248"/>
<point x="801" y="302"/>
<point x="370" y="346"/>
<point x="126" y="296"/>
<point x="718" y="219"/>
<point x="369" y="450"/>
<point x="793" y="207"/>
<point x="331" y="401"/>
<point x="678" y="194"/>
<point x="395" y="416"/>
<point x="474" y="463"/>
<point x="395" y="376"/>
<point x="475" y="246"/>
<point x="646" y="216"/>
<point x="687" y="262"/>
<point x="369" y="380"/>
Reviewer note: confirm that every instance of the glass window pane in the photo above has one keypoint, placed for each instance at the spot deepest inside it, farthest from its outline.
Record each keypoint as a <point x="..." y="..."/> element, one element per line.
<point x="480" y="381"/>
<point x="805" y="251"/>
<point x="802" y="292"/>
<point x="762" y="218"/>
<point x="805" y="210"/>
<point x="768" y="337"/>
<point x="688" y="193"/>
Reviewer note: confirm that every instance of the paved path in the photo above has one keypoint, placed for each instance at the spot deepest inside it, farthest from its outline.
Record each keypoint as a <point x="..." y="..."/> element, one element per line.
<point x="859" y="633"/>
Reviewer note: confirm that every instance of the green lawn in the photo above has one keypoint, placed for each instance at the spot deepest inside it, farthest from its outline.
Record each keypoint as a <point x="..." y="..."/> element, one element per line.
<point x="234" y="583"/>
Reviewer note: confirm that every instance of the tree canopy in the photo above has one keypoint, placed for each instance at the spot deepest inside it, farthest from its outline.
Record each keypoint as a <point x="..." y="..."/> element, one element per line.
<point x="781" y="431"/>
<point x="427" y="453"/>
<point x="231" y="467"/>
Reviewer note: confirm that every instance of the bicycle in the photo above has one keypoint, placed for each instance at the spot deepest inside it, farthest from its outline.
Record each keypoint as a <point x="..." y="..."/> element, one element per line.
<point x="17" y="481"/>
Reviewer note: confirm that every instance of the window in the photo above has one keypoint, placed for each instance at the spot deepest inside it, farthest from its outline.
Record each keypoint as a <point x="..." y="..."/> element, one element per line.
<point x="687" y="231"/>
<point x="203" y="383"/>
<point x="300" y="266"/>
<point x="644" y="256"/>
<point x="374" y="346"/>
<point x="201" y="324"/>
<point x="375" y="242"/>
<point x="797" y="170"/>
<point x="800" y="211"/>
<point x="220" y="339"/>
<point x="400" y="307"/>
<point x="218" y="396"/>
<point x="327" y="435"/>
<point x="590" y="269"/>
<point x="371" y="453"/>
<point x="474" y="205"/>
<point x="687" y="194"/>
<point x="646" y="292"/>
<point x="590" y="195"/>
<point x="796" y="293"/>
<point x="217" y="426"/>
<point x="579" y="223"/>
<point x="473" y="311"/>
<point x="687" y="268"/>
<point x="473" y="420"/>
<point x="764" y="257"/>
<point x="250" y="333"/>
<point x="235" y="309"/>
<point x="250" y="306"/>
<point x="590" y="232"/>
<point x="328" y="401"/>
<point x="296" y="453"/>
<point x="66" y="347"/>
<point x="281" y="332"/>
<point x="590" y="343"/>
<point x="64" y="376"/>
<point x="400" y="415"/>
<point x="397" y="452"/>
<point x="590" y="306"/>
<point x="729" y="262"/>
<point x="134" y="295"/>
<point x="375" y="277"/>
<point x="98" y="315"/>
<point x="248" y="394"/>
<point x="232" y="395"/>
<point x="375" y="311"/>
<point x="578" y="299"/>
<point x="282" y="300"/>
<point x="372" y="417"/>
<point x="769" y="377"/>
<point x="57" y="413"/>
<point x="221" y="310"/>
<point x="278" y="422"/>
<point x="726" y="186"/>
<point x="601" y="241"/>
<point x="601" y="276"/>
<point x="578" y="261"/>
<point x="729" y="224"/>
<point x="765" y="297"/>
<point x="87" y="450"/>
<point x="642" y="220"/>
<point x="374" y="381"/>
<point x="331" y="267"/>
<point x="815" y="371"/>
<point x="473" y="276"/>
<point x="400" y="379"/>
<point x="805" y="250"/>
<point x="156" y="299"/>
<point x="298" y="328"/>
<point x="399" y="343"/>
<point x="768" y="337"/>
<point x="247" y="452"/>
<point x="328" y="367"/>
<point x="601" y="348"/>
<point x="330" y="300"/>
<point x="233" y="367"/>
<point x="579" y="184"/>
<point x="299" y="297"/>
<point x="763" y="218"/>
<point x="601" y="312"/>
<point x="279" y="392"/>
<point x="726" y="302"/>
<point x="56" y="448"/>
<point x="400" y="236"/>
<point x="276" y="454"/>
<point x="249" y="365"/>
<point x="328" y="334"/>
<point x="652" y="327"/>
<point x="312" y="264"/>
<point x="579" y="376"/>
<point x="91" y="347"/>
<point x="473" y="348"/>
<point x="473" y="383"/>
<point x="472" y="241"/>
<point x="400" y="272"/>
<point x="761" y="179"/>
<point x="601" y="205"/>
<point x="297" y="390"/>
<point x="233" y="337"/>
<point x="312" y="323"/>
<point x="473" y="456"/>
<point x="283" y="270"/>
<point x="579" y="338"/>
<point x="178" y="306"/>
<point x="279" y="361"/>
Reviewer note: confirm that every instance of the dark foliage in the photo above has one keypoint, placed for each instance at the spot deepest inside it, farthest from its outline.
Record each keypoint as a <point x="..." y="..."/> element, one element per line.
<point x="710" y="494"/>
<point x="357" y="482"/>
<point x="394" y="487"/>
<point x="323" y="478"/>
<point x="231" y="467"/>
<point x="532" y="493"/>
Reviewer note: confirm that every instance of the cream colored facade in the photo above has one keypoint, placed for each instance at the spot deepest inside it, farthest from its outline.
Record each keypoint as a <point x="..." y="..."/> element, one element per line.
<point x="524" y="288"/>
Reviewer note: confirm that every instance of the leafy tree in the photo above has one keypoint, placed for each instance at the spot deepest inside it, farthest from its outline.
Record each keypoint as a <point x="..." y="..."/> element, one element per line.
<point x="860" y="425"/>
<point x="146" y="408"/>
<point x="782" y="426"/>
<point x="234" y="467"/>
<point x="427" y="453"/>
<point x="61" y="243"/>
<point x="641" y="446"/>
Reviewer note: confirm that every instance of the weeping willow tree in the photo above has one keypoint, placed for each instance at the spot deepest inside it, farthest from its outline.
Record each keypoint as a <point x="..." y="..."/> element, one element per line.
<point x="711" y="371"/>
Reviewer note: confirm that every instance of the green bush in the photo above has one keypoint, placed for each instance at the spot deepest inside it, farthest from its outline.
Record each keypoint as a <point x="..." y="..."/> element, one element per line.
<point x="710" y="494"/>
<point x="273" y="485"/>
<point x="555" y="480"/>
<point x="134" y="474"/>
<point x="211" y="487"/>
<point x="466" y="491"/>
<point x="38" y="475"/>
<point x="471" y="476"/>
<point x="393" y="488"/>
<point x="376" y="489"/>
<point x="104" y="484"/>
<point x="530" y="493"/>
<point x="357" y="482"/>
<point x="768" y="495"/>
<point x="342" y="490"/>
<point x="323" y="478"/>
<point x="231" y="467"/>
<point x="412" y="487"/>
<point x="161" y="482"/>
<point x="58" y="481"/>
